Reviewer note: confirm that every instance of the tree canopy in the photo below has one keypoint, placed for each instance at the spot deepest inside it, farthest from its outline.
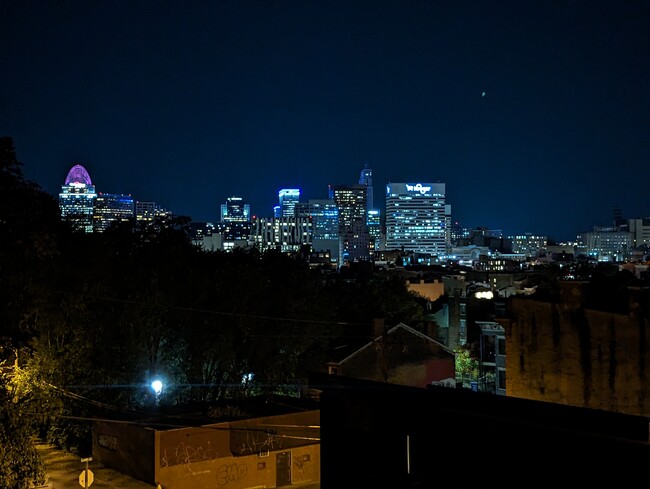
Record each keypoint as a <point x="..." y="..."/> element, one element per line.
<point x="89" y="320"/>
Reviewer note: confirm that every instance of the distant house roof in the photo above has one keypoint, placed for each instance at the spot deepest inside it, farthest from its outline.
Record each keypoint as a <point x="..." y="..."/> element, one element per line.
<point x="394" y="330"/>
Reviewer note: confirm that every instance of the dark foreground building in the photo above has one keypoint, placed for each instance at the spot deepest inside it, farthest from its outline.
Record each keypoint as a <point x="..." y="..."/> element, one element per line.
<point x="375" y="434"/>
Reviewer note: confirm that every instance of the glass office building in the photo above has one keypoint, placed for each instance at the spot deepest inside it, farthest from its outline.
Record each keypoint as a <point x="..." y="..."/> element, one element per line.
<point x="416" y="218"/>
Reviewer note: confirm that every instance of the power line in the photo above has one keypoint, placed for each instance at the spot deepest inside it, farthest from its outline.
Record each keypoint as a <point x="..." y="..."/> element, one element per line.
<point x="220" y="313"/>
<point x="212" y="426"/>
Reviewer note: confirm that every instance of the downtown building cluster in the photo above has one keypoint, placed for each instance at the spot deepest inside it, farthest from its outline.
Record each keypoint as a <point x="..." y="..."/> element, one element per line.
<point x="346" y="227"/>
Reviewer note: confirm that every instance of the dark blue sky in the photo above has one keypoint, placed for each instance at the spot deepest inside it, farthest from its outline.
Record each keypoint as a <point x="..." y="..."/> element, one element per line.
<point x="190" y="102"/>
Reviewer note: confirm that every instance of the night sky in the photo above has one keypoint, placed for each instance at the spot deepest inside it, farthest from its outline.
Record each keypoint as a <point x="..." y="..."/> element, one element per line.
<point x="535" y="114"/>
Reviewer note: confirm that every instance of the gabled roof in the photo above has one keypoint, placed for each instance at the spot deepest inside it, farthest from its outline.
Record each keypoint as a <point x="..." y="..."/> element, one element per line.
<point x="393" y="330"/>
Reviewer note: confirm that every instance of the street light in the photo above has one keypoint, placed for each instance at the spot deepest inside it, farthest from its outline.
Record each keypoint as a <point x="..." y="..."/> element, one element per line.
<point x="157" y="386"/>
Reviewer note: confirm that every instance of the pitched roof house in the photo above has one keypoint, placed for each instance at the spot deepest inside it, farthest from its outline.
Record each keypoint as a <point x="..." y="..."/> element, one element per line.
<point x="400" y="355"/>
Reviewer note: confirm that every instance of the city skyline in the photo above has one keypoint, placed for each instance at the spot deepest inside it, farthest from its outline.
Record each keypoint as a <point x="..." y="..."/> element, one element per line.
<point x="535" y="116"/>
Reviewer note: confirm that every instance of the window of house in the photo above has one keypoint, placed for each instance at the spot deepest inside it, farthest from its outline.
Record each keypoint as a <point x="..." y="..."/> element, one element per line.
<point x="501" y="382"/>
<point x="501" y="347"/>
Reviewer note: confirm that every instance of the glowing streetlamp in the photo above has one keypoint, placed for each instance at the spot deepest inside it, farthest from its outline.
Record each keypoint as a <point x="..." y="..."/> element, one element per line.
<point x="157" y="386"/>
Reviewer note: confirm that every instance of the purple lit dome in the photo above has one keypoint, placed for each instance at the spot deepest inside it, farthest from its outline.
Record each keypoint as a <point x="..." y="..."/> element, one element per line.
<point x="78" y="174"/>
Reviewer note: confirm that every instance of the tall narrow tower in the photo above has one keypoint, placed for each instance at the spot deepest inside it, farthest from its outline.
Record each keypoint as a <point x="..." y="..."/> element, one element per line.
<point x="365" y="178"/>
<point x="355" y="242"/>
<point x="77" y="199"/>
<point x="374" y="215"/>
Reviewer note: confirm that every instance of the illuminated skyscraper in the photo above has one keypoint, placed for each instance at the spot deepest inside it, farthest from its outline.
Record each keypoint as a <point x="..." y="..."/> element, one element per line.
<point x="374" y="215"/>
<point x="77" y="199"/>
<point x="365" y="178"/>
<point x="235" y="210"/>
<point x="289" y="197"/>
<point x="355" y="242"/>
<point x="374" y="228"/>
<point x="416" y="218"/>
<point x="235" y="225"/>
<point x="112" y="208"/>
<point x="324" y="215"/>
<point x="325" y="224"/>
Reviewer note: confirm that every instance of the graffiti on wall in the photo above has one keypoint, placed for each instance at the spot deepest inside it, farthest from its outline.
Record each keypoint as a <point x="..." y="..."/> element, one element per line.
<point x="229" y="473"/>
<point x="257" y="442"/>
<point x="187" y="454"/>
<point x="107" y="441"/>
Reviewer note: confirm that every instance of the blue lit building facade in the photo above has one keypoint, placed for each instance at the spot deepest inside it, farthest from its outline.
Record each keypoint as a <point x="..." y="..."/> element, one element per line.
<point x="77" y="199"/>
<point x="324" y="215"/>
<point x="235" y="210"/>
<point x="288" y="197"/>
<point x="416" y="218"/>
<point x="325" y="225"/>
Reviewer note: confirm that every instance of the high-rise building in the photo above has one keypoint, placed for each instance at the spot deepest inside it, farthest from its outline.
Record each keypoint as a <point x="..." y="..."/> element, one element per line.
<point x="324" y="215"/>
<point x="374" y="215"/>
<point x="325" y="225"/>
<point x="374" y="228"/>
<point x="235" y="225"/>
<point x="289" y="197"/>
<point x="112" y="208"/>
<point x="365" y="178"/>
<point x="355" y="242"/>
<point x="77" y="199"/>
<point x="416" y="218"/>
<point x="235" y="210"/>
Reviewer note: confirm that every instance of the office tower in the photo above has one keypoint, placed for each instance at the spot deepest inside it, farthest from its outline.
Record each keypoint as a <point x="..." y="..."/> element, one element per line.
<point x="416" y="218"/>
<point x="289" y="197"/>
<point x="366" y="179"/>
<point x="148" y="211"/>
<point x="77" y="199"/>
<point x="235" y="225"/>
<point x="374" y="228"/>
<point x="355" y="242"/>
<point x="285" y="234"/>
<point x="324" y="215"/>
<point x="374" y="215"/>
<point x="112" y="208"/>
<point x="235" y="210"/>
<point x="325" y="224"/>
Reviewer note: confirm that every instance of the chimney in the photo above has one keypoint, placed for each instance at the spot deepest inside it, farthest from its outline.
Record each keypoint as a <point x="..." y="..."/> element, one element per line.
<point x="378" y="327"/>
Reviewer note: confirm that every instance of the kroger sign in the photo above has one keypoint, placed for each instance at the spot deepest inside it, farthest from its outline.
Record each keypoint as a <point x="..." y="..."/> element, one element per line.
<point x="418" y="187"/>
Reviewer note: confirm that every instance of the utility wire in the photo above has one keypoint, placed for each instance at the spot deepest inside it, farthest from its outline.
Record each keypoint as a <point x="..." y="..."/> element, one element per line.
<point x="220" y="313"/>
